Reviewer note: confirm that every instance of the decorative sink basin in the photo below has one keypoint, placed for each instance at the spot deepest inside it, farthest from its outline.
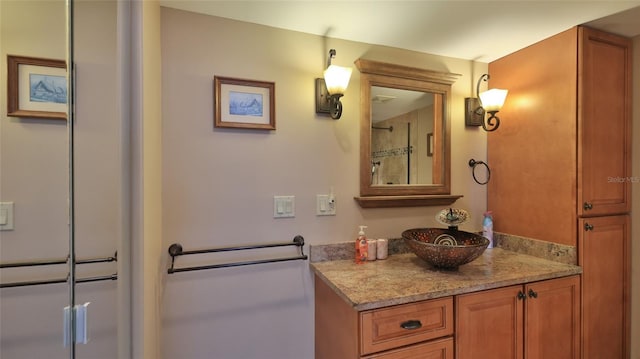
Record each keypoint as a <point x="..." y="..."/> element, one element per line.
<point x="445" y="248"/>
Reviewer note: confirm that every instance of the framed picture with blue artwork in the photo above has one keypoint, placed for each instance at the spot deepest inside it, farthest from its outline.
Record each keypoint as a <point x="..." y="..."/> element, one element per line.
<point x="245" y="104"/>
<point x="36" y="87"/>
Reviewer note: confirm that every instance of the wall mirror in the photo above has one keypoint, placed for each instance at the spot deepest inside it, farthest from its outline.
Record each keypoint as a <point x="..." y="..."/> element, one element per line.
<point x="404" y="136"/>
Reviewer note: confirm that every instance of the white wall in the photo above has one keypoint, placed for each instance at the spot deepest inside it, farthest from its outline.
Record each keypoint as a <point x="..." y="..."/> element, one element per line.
<point x="218" y="184"/>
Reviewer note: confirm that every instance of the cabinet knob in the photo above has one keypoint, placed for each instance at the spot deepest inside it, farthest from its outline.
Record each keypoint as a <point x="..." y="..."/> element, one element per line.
<point x="588" y="227"/>
<point x="521" y="295"/>
<point x="411" y="324"/>
<point x="532" y="293"/>
<point x="587" y="206"/>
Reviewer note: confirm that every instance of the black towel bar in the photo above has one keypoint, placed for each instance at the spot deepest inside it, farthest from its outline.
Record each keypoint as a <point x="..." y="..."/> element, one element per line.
<point x="60" y="280"/>
<point x="47" y="262"/>
<point x="176" y="250"/>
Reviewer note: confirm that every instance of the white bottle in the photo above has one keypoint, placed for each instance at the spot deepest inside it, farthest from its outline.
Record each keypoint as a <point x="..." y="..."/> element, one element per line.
<point x="382" y="248"/>
<point x="487" y="228"/>
<point x="371" y="249"/>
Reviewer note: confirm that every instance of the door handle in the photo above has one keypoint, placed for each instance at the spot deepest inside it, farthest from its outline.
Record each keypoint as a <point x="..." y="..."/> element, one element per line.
<point x="532" y="294"/>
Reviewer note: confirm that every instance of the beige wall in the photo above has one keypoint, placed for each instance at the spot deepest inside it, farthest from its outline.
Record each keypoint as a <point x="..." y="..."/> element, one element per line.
<point x="635" y="209"/>
<point x="218" y="184"/>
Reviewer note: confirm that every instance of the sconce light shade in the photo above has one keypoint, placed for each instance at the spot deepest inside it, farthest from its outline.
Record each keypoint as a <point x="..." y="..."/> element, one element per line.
<point x="490" y="101"/>
<point x="493" y="99"/>
<point x="329" y="90"/>
<point x="336" y="79"/>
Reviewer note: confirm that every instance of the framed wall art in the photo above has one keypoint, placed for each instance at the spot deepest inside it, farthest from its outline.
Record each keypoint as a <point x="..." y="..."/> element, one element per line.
<point x="242" y="103"/>
<point x="36" y="87"/>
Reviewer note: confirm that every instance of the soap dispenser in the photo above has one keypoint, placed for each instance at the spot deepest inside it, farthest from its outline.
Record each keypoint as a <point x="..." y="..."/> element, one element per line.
<point x="361" y="246"/>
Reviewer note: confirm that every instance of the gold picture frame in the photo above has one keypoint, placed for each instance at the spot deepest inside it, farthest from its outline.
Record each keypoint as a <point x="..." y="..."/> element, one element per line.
<point x="246" y="104"/>
<point x="36" y="87"/>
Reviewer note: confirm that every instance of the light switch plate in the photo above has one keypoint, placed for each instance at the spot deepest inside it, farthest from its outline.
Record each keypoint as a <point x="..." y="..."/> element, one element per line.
<point x="325" y="207"/>
<point x="284" y="206"/>
<point x="6" y="216"/>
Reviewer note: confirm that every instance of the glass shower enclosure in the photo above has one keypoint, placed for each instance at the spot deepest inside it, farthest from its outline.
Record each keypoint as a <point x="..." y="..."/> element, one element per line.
<point x="62" y="180"/>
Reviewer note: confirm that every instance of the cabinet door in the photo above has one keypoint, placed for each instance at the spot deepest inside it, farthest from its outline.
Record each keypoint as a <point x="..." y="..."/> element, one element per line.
<point x="489" y="324"/>
<point x="605" y="260"/>
<point x="533" y="153"/>
<point x="604" y="123"/>
<point x="552" y="319"/>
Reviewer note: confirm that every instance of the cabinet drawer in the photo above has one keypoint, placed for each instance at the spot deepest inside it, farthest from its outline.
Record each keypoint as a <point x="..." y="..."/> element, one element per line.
<point x="436" y="349"/>
<point x="388" y="328"/>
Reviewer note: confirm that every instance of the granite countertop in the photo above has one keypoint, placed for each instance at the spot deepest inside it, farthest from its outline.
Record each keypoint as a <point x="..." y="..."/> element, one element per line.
<point x="405" y="278"/>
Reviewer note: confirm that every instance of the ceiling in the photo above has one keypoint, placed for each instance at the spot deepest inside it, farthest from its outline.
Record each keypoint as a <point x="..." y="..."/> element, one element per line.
<point x="474" y="30"/>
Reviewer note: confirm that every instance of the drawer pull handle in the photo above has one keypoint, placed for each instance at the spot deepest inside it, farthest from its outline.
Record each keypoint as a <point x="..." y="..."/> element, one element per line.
<point x="532" y="294"/>
<point x="411" y="325"/>
<point x="587" y="206"/>
<point x="588" y="227"/>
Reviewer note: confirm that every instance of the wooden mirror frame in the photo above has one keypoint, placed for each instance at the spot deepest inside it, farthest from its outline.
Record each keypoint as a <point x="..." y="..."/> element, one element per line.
<point x="373" y="73"/>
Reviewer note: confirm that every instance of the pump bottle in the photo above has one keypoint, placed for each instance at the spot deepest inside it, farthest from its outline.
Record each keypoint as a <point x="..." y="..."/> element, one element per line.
<point x="361" y="246"/>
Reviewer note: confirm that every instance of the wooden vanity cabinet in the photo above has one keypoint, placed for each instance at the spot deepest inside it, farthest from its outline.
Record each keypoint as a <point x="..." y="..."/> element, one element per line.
<point x="420" y="330"/>
<point x="534" y="321"/>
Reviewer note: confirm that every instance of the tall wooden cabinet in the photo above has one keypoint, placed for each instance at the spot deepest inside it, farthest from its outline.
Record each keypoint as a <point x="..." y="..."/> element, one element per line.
<point x="561" y="166"/>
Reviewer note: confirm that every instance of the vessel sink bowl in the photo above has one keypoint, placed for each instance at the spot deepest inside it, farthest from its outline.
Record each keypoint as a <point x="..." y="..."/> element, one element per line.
<point x="445" y="248"/>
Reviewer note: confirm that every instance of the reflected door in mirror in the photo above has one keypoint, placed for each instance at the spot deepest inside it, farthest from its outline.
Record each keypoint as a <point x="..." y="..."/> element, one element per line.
<point x="403" y="145"/>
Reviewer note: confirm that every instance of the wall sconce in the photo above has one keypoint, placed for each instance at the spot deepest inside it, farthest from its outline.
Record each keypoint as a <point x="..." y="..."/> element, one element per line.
<point x="489" y="101"/>
<point x="331" y="88"/>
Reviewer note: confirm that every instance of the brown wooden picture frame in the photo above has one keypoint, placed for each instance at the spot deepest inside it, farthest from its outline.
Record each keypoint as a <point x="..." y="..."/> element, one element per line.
<point x="36" y="87"/>
<point x="247" y="104"/>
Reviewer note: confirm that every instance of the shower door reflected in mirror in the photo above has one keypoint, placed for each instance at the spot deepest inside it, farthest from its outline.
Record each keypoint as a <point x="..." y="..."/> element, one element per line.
<point x="98" y="172"/>
<point x="402" y="142"/>
<point x="38" y="176"/>
<point x="34" y="176"/>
